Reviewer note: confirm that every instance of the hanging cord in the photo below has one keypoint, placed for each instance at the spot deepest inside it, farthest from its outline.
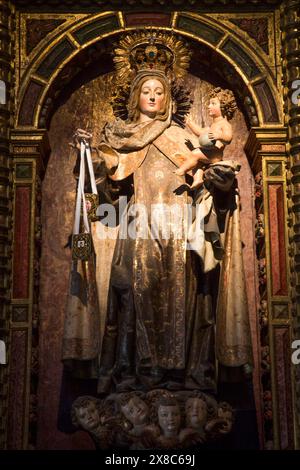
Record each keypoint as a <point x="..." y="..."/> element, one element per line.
<point x="85" y="152"/>
<point x="90" y="167"/>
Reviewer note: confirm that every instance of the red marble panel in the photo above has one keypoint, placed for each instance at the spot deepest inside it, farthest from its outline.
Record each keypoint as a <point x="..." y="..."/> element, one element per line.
<point x="21" y="242"/>
<point x="282" y="347"/>
<point x="277" y="239"/>
<point x="17" y="386"/>
<point x="147" y="19"/>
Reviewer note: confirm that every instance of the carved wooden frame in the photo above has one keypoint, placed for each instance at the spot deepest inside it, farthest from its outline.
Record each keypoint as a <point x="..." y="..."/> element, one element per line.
<point x="29" y="149"/>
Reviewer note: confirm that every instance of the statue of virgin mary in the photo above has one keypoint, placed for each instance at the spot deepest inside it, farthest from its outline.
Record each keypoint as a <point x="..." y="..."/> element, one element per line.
<point x="176" y="304"/>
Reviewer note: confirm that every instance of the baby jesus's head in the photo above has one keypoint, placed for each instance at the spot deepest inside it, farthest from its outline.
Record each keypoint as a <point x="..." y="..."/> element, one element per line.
<point x="222" y="103"/>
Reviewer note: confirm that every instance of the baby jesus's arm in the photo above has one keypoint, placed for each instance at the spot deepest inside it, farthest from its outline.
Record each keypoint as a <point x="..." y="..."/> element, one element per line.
<point x="222" y="134"/>
<point x="197" y="130"/>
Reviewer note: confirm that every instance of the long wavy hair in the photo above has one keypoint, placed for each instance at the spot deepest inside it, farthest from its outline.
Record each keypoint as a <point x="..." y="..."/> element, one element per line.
<point x="134" y="98"/>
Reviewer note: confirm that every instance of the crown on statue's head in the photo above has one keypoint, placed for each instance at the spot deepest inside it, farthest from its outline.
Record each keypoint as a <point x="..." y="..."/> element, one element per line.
<point x="151" y="50"/>
<point x="151" y="57"/>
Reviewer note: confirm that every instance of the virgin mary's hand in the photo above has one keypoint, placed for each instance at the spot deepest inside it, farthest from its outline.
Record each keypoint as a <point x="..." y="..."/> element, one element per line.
<point x="189" y="145"/>
<point x="80" y="135"/>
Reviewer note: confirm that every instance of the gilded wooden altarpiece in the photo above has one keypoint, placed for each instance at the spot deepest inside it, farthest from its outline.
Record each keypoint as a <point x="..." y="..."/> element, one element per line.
<point x="43" y="48"/>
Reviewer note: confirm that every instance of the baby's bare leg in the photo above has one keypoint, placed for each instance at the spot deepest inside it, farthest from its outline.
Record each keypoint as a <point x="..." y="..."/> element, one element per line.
<point x="189" y="164"/>
<point x="198" y="178"/>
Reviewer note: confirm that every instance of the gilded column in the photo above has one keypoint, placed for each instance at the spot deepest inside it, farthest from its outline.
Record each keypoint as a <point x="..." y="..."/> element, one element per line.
<point x="6" y="71"/>
<point x="266" y="150"/>
<point x="291" y="68"/>
<point x="29" y="150"/>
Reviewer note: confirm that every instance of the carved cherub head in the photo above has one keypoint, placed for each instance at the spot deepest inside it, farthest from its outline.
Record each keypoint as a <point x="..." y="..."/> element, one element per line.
<point x="225" y="412"/>
<point x="169" y="416"/>
<point x="226" y="101"/>
<point x="85" y="412"/>
<point x="134" y="409"/>
<point x="195" y="412"/>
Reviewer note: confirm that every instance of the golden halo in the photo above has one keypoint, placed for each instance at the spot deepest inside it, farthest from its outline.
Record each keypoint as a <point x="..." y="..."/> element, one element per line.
<point x="151" y="49"/>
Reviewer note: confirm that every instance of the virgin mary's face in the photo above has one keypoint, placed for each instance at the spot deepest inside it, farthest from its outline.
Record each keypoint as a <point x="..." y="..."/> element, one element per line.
<point x="152" y="97"/>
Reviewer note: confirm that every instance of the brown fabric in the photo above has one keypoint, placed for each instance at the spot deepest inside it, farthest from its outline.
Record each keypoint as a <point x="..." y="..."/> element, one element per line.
<point x="168" y="140"/>
<point x="123" y="146"/>
<point x="162" y="313"/>
<point x="233" y="339"/>
<point x="159" y="270"/>
<point x="81" y="341"/>
<point x="210" y="244"/>
<point x="160" y="318"/>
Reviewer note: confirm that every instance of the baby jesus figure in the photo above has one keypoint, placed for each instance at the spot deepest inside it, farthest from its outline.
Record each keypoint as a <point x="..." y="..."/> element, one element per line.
<point x="212" y="139"/>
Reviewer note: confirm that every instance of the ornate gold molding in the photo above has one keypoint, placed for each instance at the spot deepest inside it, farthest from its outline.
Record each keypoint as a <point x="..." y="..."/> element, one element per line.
<point x="262" y="141"/>
<point x="267" y="143"/>
<point x="291" y="67"/>
<point x="153" y="3"/>
<point x="266" y="150"/>
<point x="6" y="76"/>
<point x="80" y="32"/>
<point x="30" y="152"/>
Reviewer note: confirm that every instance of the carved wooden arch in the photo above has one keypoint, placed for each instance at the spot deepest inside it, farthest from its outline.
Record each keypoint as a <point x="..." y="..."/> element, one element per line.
<point x="52" y="56"/>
